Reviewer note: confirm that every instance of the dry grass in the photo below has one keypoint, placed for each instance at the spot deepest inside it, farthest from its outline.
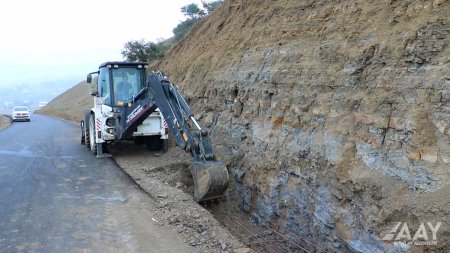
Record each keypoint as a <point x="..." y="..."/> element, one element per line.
<point x="70" y="104"/>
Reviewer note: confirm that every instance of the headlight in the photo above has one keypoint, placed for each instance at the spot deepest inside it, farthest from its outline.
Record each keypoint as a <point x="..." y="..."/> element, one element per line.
<point x="111" y="122"/>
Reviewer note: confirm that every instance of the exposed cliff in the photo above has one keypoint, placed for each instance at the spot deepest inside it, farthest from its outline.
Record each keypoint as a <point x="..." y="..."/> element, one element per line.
<point x="333" y="116"/>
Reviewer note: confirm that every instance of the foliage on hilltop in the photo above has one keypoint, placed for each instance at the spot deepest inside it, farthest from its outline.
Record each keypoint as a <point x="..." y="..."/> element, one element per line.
<point x="141" y="50"/>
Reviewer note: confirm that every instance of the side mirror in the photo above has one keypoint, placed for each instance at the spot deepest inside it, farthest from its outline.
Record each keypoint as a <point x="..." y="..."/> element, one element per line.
<point x="94" y="93"/>
<point x="89" y="76"/>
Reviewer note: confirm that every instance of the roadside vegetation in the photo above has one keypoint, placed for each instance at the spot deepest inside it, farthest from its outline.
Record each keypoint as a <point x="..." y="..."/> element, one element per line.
<point x="141" y="50"/>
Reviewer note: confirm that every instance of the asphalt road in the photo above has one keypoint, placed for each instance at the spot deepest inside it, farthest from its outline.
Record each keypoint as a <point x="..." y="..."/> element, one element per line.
<point x="55" y="196"/>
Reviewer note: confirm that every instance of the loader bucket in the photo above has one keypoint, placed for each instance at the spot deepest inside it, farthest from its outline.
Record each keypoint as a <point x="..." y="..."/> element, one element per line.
<point x="210" y="179"/>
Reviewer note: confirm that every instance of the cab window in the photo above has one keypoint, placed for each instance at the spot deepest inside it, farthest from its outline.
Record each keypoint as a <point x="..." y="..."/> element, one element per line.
<point x="104" y="88"/>
<point x="127" y="82"/>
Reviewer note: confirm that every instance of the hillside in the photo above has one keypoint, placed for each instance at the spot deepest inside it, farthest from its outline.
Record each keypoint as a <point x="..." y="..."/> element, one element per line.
<point x="70" y="104"/>
<point x="333" y="117"/>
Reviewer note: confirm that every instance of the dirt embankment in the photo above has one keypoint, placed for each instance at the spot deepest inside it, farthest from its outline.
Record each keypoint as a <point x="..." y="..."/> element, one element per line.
<point x="333" y="117"/>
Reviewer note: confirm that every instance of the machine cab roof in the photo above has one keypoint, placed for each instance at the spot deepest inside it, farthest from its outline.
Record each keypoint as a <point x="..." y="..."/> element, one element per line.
<point x="124" y="64"/>
<point x="118" y="81"/>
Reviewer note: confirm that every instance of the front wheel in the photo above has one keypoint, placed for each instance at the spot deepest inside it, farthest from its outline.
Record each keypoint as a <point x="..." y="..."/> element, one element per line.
<point x="87" y="138"/>
<point x="83" y="132"/>
<point x="92" y="144"/>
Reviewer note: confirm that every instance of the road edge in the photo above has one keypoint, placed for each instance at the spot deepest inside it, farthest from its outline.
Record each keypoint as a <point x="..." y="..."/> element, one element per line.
<point x="10" y="121"/>
<point x="58" y="118"/>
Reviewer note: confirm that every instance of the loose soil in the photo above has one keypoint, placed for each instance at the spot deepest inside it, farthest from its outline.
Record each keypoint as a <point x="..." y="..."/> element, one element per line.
<point x="167" y="179"/>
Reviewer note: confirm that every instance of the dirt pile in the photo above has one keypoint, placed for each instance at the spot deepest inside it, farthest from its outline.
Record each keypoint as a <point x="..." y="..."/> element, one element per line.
<point x="333" y="117"/>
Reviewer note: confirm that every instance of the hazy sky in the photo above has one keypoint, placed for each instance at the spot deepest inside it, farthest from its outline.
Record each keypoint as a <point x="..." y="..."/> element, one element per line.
<point x="45" y="39"/>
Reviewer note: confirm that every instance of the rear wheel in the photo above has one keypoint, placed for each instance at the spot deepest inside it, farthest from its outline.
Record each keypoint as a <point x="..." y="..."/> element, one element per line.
<point x="91" y="133"/>
<point x="139" y="140"/>
<point x="153" y="143"/>
<point x="165" y="145"/>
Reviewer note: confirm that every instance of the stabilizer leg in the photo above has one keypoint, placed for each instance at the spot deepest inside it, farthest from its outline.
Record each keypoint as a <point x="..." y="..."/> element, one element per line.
<point x="100" y="153"/>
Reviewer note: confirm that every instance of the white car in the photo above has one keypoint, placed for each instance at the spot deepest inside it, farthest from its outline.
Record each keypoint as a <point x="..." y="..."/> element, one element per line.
<point x="21" y="113"/>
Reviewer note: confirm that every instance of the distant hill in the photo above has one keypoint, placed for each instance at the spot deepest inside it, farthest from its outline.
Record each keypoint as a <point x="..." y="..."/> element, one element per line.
<point x="70" y="104"/>
<point x="31" y="93"/>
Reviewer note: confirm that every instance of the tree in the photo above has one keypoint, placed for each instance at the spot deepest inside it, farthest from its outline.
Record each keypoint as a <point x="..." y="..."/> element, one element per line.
<point x="210" y="7"/>
<point x="134" y="50"/>
<point x="192" y="11"/>
<point x="183" y="28"/>
<point x="194" y="14"/>
<point x="139" y="50"/>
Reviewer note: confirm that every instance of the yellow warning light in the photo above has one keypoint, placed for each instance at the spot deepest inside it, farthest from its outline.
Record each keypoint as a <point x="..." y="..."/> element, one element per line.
<point x="185" y="138"/>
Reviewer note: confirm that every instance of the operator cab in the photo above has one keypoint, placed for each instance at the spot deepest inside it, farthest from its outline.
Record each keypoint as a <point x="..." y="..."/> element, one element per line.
<point x="118" y="82"/>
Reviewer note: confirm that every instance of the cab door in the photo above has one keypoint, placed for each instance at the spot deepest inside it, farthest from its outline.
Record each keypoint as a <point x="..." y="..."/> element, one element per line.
<point x="104" y="87"/>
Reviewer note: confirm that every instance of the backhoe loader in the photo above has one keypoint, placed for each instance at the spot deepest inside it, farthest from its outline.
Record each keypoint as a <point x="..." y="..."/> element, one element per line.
<point x="130" y="104"/>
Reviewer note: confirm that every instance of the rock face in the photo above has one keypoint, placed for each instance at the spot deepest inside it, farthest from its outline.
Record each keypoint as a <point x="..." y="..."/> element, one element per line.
<point x="333" y="116"/>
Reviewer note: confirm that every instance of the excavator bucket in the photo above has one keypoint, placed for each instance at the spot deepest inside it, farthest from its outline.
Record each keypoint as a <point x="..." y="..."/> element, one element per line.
<point x="210" y="179"/>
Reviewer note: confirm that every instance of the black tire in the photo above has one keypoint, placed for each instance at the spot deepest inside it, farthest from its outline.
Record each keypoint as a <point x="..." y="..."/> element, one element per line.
<point x="92" y="144"/>
<point x="105" y="147"/>
<point x="164" y="145"/>
<point x="83" y="140"/>
<point x="85" y="130"/>
<point x="86" y="137"/>
<point x="139" y="140"/>
<point x="153" y="143"/>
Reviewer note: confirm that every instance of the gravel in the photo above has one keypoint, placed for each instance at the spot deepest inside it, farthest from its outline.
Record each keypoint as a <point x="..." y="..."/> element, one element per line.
<point x="168" y="181"/>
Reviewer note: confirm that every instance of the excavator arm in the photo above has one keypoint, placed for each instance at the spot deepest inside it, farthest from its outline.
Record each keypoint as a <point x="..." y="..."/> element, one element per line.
<point x="210" y="176"/>
<point x="179" y="118"/>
